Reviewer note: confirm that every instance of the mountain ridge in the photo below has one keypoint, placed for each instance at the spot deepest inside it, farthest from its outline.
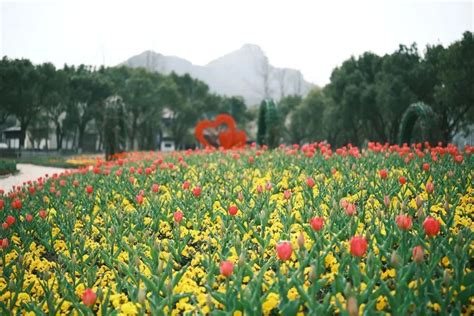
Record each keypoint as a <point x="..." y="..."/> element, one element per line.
<point x="243" y="72"/>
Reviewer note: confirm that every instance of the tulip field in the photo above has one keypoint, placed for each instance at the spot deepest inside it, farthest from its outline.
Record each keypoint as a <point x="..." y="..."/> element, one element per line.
<point x="307" y="230"/>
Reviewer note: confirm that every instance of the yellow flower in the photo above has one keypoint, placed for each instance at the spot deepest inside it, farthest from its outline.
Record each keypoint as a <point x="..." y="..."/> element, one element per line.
<point x="292" y="294"/>
<point x="129" y="309"/>
<point x="381" y="302"/>
<point x="270" y="303"/>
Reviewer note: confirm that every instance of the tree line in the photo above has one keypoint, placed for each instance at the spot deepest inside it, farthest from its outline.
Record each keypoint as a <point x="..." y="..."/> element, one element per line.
<point x="367" y="96"/>
<point x="73" y="101"/>
<point x="364" y="101"/>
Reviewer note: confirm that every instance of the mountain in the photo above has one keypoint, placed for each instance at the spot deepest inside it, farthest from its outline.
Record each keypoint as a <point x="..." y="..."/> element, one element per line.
<point x="245" y="72"/>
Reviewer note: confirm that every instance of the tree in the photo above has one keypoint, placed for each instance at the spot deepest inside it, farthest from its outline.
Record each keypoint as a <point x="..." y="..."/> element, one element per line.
<point x="273" y="125"/>
<point x="89" y="90"/>
<point x="262" y="125"/>
<point x="306" y="121"/>
<point x="20" y="92"/>
<point x="114" y="126"/>
<point x="454" y="93"/>
<point x="192" y="96"/>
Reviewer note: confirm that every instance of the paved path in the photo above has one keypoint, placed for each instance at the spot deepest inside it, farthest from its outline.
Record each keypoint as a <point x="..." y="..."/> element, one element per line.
<point x="27" y="172"/>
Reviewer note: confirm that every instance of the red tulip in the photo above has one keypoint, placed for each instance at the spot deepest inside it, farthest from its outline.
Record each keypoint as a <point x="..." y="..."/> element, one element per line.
<point x="402" y="180"/>
<point x="227" y="268"/>
<point x="186" y="185"/>
<point x="16" y="204"/>
<point x="75" y="183"/>
<point x="418" y="254"/>
<point x="4" y="243"/>
<point x="259" y="189"/>
<point x="383" y="173"/>
<point x="358" y="246"/>
<point x="426" y="166"/>
<point x="287" y="194"/>
<point x="343" y="203"/>
<point x="89" y="297"/>
<point x="139" y="199"/>
<point x="29" y="217"/>
<point x="197" y="191"/>
<point x="178" y="216"/>
<point x="42" y="213"/>
<point x="430" y="187"/>
<point x="284" y="250"/>
<point x="10" y="220"/>
<point x="317" y="223"/>
<point x="458" y="158"/>
<point x="268" y="186"/>
<point x="62" y="183"/>
<point x="5" y="225"/>
<point x="310" y="182"/>
<point x="431" y="226"/>
<point x="2" y="204"/>
<point x="89" y="189"/>
<point x="403" y="222"/>
<point x="351" y="209"/>
<point x="233" y="210"/>
<point x="300" y="240"/>
<point x="155" y="187"/>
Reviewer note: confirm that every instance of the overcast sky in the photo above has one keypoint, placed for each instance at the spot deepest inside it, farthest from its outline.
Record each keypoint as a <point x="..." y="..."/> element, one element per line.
<point x="313" y="36"/>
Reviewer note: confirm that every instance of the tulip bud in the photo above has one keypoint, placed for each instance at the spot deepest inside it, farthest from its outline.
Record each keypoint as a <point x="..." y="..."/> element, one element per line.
<point x="446" y="277"/>
<point x="418" y="254"/>
<point x="351" y="306"/>
<point x="457" y="250"/>
<point x="160" y="267"/>
<point x="209" y="301"/>
<point x="137" y="262"/>
<point x="73" y="259"/>
<point x="12" y="285"/>
<point x="241" y="261"/>
<point x="386" y="201"/>
<point x="131" y="238"/>
<point x="460" y="240"/>
<point x="301" y="240"/>
<point x="347" y="289"/>
<point x="419" y="202"/>
<point x="446" y="206"/>
<point x="420" y="213"/>
<point x="247" y="294"/>
<point x="141" y="295"/>
<point x="312" y="273"/>
<point x="395" y="259"/>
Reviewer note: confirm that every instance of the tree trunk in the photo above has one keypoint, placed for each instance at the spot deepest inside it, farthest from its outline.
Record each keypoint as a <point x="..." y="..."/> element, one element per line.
<point x="133" y="132"/>
<point x="82" y="128"/>
<point x="59" y="136"/>
<point x="23" y="126"/>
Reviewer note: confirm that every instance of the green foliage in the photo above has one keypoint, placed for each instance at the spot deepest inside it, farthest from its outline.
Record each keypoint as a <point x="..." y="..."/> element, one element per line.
<point x="416" y="112"/>
<point x="262" y="127"/>
<point x="72" y="101"/>
<point x="7" y="166"/>
<point x="273" y="126"/>
<point x="114" y="127"/>
<point x="368" y="95"/>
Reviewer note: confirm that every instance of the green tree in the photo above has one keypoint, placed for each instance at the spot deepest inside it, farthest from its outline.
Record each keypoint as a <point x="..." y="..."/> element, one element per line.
<point x="262" y="125"/>
<point x="20" y="84"/>
<point x="454" y="93"/>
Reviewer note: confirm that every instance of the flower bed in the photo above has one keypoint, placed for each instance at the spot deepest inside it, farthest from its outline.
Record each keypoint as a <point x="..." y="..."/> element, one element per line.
<point x="296" y="230"/>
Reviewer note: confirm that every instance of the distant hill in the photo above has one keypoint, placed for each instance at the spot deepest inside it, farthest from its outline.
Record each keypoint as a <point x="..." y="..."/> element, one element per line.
<point x="245" y="72"/>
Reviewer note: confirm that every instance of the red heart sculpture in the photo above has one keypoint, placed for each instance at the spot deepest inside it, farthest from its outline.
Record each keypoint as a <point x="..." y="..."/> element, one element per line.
<point x="231" y="137"/>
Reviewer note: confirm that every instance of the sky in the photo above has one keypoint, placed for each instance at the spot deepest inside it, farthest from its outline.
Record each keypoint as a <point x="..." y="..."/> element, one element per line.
<point x="312" y="36"/>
